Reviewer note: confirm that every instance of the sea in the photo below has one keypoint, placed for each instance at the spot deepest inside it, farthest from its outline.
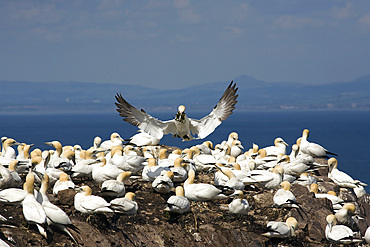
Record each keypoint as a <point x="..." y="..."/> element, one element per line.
<point x="346" y="133"/>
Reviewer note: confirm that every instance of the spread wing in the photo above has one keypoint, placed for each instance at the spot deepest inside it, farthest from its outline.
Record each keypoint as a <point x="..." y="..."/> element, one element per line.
<point x="220" y="112"/>
<point x="143" y="120"/>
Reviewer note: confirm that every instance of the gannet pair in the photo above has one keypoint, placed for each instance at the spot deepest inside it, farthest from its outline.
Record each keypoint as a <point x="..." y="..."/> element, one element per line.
<point x="181" y="126"/>
<point x="339" y="233"/>
<point x="278" y="229"/>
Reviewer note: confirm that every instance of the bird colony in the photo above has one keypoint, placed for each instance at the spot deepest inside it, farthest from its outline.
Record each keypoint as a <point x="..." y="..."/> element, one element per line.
<point x="243" y="182"/>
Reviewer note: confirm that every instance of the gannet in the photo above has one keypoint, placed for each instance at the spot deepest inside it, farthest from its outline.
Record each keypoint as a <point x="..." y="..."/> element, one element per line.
<point x="239" y="205"/>
<point x="86" y="203"/>
<point x="278" y="148"/>
<point x="206" y="147"/>
<point x="203" y="191"/>
<point x="96" y="142"/>
<point x="284" y="197"/>
<point x="63" y="183"/>
<point x="178" y="203"/>
<point x="313" y="149"/>
<point x="236" y="148"/>
<point x="12" y="196"/>
<point x="115" y="187"/>
<point x="331" y="195"/>
<point x="151" y="171"/>
<point x="232" y="181"/>
<point x="266" y="179"/>
<point x="344" y="215"/>
<point x="56" y="159"/>
<point x="181" y="126"/>
<point x="338" y="233"/>
<point x="367" y="235"/>
<point x="6" y="178"/>
<point x="103" y="171"/>
<point x="340" y="178"/>
<point x="16" y="180"/>
<point x="55" y="216"/>
<point x="128" y="160"/>
<point x="281" y="229"/>
<point x="9" y="152"/>
<point x="163" y="183"/>
<point x="125" y="205"/>
<point x="232" y="137"/>
<point x="143" y="139"/>
<point x="33" y="212"/>
<point x="115" y="140"/>
<point x="179" y="172"/>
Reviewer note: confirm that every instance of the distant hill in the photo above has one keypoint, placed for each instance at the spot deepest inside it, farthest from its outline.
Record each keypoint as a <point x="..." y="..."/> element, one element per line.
<point x="254" y="94"/>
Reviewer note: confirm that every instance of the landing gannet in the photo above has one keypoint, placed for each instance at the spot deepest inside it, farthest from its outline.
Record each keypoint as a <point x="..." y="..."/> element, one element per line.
<point x="338" y="233"/>
<point x="89" y="204"/>
<point x="181" y="126"/>
<point x="125" y="205"/>
<point x="33" y="212"/>
<point x="281" y="229"/>
<point x="178" y="203"/>
<point x="340" y="178"/>
<point x="313" y="149"/>
<point x="239" y="205"/>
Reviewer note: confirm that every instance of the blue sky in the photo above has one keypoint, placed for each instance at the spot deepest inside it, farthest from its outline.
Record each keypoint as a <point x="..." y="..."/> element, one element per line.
<point x="177" y="43"/>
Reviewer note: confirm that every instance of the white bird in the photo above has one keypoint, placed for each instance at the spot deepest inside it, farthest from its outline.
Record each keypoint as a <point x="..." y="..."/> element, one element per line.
<point x="105" y="171"/>
<point x="55" y="216"/>
<point x="344" y="215"/>
<point x="9" y="152"/>
<point x="239" y="205"/>
<point x="16" y="179"/>
<point x="63" y="183"/>
<point x="281" y="229"/>
<point x="284" y="197"/>
<point x="206" y="147"/>
<point x="202" y="191"/>
<point x="33" y="212"/>
<point x="341" y="178"/>
<point x="6" y="178"/>
<point x="115" y="187"/>
<point x="338" y="233"/>
<point x="125" y="205"/>
<point x="12" y="196"/>
<point x="115" y="140"/>
<point x="143" y="139"/>
<point x="313" y="149"/>
<point x="163" y="183"/>
<point x="181" y="126"/>
<point x="331" y="195"/>
<point x="178" y="203"/>
<point x="236" y="148"/>
<point x="232" y="137"/>
<point x="87" y="203"/>
<point x="278" y="148"/>
<point x="367" y="235"/>
<point x="128" y="160"/>
<point x="232" y="181"/>
<point x="151" y="171"/>
<point x="267" y="179"/>
<point x="180" y="174"/>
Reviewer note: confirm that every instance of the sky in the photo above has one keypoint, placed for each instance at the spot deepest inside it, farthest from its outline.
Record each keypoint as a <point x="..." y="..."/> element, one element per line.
<point x="178" y="43"/>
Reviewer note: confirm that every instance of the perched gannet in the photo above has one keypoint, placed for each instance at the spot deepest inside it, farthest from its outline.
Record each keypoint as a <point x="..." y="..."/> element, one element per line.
<point x="344" y="215"/>
<point x="206" y="147"/>
<point x="152" y="171"/>
<point x="281" y="229"/>
<point x="239" y="205"/>
<point x="115" y="187"/>
<point x="12" y="196"/>
<point x="338" y="233"/>
<point x="6" y="178"/>
<point x="331" y="195"/>
<point x="55" y="216"/>
<point x="104" y="171"/>
<point x="232" y="137"/>
<point x="278" y="148"/>
<point x="163" y="183"/>
<point x="63" y="183"/>
<point x="178" y="203"/>
<point x="16" y="179"/>
<point x="96" y="142"/>
<point x="284" y="197"/>
<point x="181" y="126"/>
<point x="232" y="181"/>
<point x="126" y="159"/>
<point x="143" y="139"/>
<point x="313" y="149"/>
<point x="340" y="178"/>
<point x="9" y="152"/>
<point x="180" y="174"/>
<point x="33" y="212"/>
<point x="203" y="191"/>
<point x="306" y="179"/>
<point x="56" y="159"/>
<point x="125" y="205"/>
<point x="86" y="203"/>
<point x="115" y="140"/>
<point x="236" y="148"/>
<point x="367" y="235"/>
<point x="267" y="179"/>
